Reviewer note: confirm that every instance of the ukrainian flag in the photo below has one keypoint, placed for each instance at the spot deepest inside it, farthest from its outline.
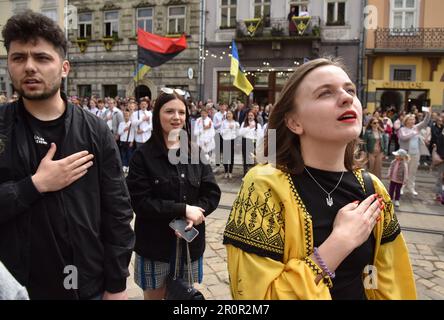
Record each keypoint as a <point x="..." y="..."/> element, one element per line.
<point x="240" y="80"/>
<point x="140" y="71"/>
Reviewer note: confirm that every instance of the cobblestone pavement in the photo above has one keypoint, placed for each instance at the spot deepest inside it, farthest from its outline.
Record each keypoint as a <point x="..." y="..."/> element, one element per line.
<point x="420" y="212"/>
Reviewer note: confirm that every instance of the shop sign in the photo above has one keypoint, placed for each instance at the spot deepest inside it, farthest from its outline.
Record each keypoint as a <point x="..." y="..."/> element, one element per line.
<point x="403" y="85"/>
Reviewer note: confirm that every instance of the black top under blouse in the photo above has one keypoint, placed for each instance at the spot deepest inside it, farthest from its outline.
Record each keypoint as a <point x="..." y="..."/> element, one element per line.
<point x="348" y="282"/>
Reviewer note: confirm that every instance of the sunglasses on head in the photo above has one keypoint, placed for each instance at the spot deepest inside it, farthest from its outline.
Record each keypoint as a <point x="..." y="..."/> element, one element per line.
<point x="178" y="91"/>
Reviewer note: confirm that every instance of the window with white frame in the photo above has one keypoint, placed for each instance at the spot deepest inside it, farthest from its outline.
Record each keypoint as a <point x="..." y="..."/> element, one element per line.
<point x="262" y="10"/>
<point x="49" y="3"/>
<point x="111" y="23"/>
<point x="404" y="14"/>
<point x="228" y="13"/>
<point x="145" y="19"/>
<point x="49" y="9"/>
<point x="336" y="13"/>
<point x="85" y="25"/>
<point x="176" y="19"/>
<point x="50" y="13"/>
<point x="20" y="6"/>
<point x="299" y="5"/>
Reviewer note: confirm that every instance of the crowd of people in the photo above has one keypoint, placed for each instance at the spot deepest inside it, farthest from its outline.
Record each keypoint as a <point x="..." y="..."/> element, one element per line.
<point x="215" y="127"/>
<point x="417" y="134"/>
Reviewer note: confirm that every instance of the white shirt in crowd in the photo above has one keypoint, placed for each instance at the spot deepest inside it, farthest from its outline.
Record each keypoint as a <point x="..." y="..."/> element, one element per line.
<point x="126" y="136"/>
<point x="93" y="110"/>
<point x="146" y="126"/>
<point x="100" y="113"/>
<point x="116" y="119"/>
<point x="205" y="137"/>
<point x="254" y="133"/>
<point x="217" y="120"/>
<point x="229" y="129"/>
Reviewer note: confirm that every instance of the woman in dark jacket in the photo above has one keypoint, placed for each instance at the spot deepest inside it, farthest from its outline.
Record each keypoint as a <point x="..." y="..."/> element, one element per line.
<point x="164" y="187"/>
<point x="375" y="144"/>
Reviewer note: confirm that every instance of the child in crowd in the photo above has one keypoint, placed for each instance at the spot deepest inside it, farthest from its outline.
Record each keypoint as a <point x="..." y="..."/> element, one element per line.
<point x="126" y="133"/>
<point x="204" y="130"/>
<point x="397" y="174"/>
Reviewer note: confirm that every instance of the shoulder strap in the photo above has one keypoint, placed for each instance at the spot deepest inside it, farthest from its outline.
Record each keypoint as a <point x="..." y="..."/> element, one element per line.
<point x="368" y="183"/>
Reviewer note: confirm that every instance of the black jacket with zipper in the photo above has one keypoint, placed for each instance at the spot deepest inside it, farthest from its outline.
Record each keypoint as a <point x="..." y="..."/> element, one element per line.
<point x="97" y="206"/>
<point x="160" y="192"/>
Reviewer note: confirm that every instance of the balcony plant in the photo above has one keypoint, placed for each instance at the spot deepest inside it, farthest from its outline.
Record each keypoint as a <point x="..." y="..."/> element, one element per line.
<point x="108" y="41"/>
<point x="316" y="31"/>
<point x="82" y="43"/>
<point x="277" y="30"/>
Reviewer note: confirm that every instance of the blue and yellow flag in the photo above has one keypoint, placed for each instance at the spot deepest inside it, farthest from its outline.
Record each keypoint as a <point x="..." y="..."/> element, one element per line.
<point x="240" y="79"/>
<point x="140" y="71"/>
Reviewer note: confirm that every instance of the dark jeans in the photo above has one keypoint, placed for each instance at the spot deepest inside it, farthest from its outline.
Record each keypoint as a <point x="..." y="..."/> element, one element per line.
<point x="248" y="148"/>
<point x="394" y="139"/>
<point x="139" y="144"/>
<point x="218" y="149"/>
<point x="126" y="152"/>
<point x="228" y="158"/>
<point x="395" y="190"/>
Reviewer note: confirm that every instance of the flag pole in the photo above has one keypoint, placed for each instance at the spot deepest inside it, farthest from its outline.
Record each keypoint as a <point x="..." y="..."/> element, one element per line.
<point x="137" y="69"/>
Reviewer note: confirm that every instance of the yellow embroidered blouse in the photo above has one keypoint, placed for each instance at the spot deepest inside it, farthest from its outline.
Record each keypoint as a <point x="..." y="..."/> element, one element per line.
<point x="269" y="237"/>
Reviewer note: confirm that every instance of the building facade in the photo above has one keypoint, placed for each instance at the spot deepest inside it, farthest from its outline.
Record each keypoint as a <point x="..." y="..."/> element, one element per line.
<point x="404" y="55"/>
<point x="270" y="46"/>
<point x="51" y="8"/>
<point x="103" y="52"/>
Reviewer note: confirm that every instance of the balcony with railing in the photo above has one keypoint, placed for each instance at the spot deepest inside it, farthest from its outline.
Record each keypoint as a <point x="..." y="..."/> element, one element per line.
<point x="413" y="39"/>
<point x="257" y="29"/>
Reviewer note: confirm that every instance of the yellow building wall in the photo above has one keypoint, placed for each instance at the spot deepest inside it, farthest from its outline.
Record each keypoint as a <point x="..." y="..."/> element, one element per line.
<point x="382" y="76"/>
<point x="381" y="67"/>
<point x="431" y="16"/>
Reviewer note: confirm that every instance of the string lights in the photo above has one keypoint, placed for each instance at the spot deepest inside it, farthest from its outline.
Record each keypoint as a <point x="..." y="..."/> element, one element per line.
<point x="266" y="66"/>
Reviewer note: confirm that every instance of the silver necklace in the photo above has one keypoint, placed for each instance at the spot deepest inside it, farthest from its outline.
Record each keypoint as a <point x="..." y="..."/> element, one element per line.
<point x="329" y="199"/>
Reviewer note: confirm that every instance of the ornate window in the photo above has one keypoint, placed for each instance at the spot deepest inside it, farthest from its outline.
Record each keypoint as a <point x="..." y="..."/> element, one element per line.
<point x="228" y="13"/>
<point x="262" y="10"/>
<point x="176" y="19"/>
<point x="145" y="19"/>
<point x="404" y="14"/>
<point x="111" y="24"/>
<point x="85" y="25"/>
<point x="336" y="13"/>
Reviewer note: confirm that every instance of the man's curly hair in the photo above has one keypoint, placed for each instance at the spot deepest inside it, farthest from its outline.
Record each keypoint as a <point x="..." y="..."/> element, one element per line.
<point x="28" y="26"/>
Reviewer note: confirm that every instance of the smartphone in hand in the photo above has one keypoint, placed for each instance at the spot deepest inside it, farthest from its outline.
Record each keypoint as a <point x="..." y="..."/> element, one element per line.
<point x="179" y="226"/>
<point x="425" y="109"/>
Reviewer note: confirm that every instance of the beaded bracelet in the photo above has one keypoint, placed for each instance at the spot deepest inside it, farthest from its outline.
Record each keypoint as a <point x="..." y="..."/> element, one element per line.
<point x="322" y="264"/>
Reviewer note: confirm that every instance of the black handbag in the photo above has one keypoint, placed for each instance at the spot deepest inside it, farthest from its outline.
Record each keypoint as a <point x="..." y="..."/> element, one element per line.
<point x="178" y="288"/>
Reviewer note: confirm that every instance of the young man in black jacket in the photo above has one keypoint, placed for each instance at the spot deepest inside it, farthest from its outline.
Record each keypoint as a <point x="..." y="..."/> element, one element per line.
<point x="65" y="210"/>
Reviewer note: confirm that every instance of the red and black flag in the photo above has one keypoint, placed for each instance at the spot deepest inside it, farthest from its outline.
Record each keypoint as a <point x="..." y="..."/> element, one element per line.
<point x="154" y="50"/>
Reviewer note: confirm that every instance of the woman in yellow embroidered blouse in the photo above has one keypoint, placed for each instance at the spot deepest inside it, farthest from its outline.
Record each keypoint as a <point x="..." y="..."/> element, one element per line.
<point x="304" y="227"/>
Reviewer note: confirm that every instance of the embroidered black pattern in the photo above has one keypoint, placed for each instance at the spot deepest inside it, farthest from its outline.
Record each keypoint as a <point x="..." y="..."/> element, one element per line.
<point x="317" y="271"/>
<point x="256" y="224"/>
<point x="391" y="227"/>
<point x="308" y="237"/>
<point x="313" y="266"/>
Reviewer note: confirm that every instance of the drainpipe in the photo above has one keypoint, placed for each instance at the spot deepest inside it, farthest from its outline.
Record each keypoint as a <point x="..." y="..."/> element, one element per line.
<point x="361" y="90"/>
<point x="67" y="38"/>
<point x="201" y="49"/>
